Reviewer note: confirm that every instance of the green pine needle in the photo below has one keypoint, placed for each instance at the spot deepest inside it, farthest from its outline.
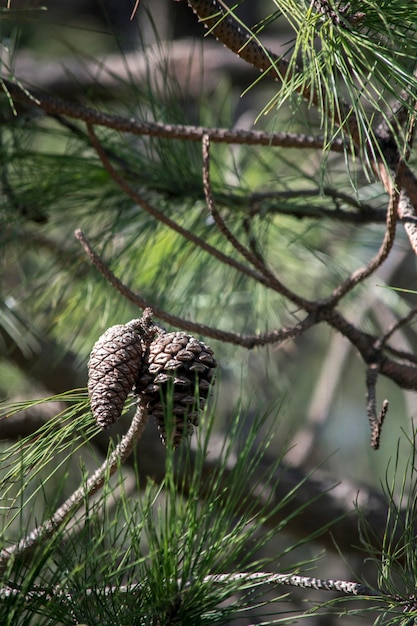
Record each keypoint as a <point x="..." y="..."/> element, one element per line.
<point x="153" y="559"/>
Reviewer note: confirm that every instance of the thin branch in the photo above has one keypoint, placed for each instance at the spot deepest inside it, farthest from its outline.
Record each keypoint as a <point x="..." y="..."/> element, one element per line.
<point x="361" y="274"/>
<point x="294" y="580"/>
<point x="397" y="326"/>
<point x="247" y="341"/>
<point x="375" y="421"/>
<point x="211" y="204"/>
<point x="257" y="578"/>
<point x="57" y="106"/>
<point x="161" y="217"/>
<point x="265" y="278"/>
<point x="255" y="260"/>
<point x="404" y="375"/>
<point x="365" y="214"/>
<point x="398" y="203"/>
<point x="27" y="545"/>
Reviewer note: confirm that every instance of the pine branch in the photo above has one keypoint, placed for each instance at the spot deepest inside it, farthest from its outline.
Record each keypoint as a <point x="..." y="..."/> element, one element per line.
<point x="294" y="580"/>
<point x="403" y="374"/>
<point x="167" y="221"/>
<point x="221" y="23"/>
<point x="271" y="280"/>
<point x="358" y="276"/>
<point x="25" y="547"/>
<point x="93" y="117"/>
<point x="256" y="578"/>
<point x="365" y="214"/>
<point x="383" y="155"/>
<point x="248" y="341"/>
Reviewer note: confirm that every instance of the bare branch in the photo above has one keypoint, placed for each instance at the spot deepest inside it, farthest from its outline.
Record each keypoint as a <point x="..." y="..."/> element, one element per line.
<point x="247" y="341"/>
<point x="361" y="274"/>
<point x="211" y="204"/>
<point x="161" y="217"/>
<point x="397" y="326"/>
<point x="56" y="106"/>
<point x="403" y="374"/>
<point x="375" y="421"/>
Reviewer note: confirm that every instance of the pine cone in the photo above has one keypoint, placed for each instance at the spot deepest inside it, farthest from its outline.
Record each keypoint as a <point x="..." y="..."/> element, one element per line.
<point x="113" y="368"/>
<point x="179" y="363"/>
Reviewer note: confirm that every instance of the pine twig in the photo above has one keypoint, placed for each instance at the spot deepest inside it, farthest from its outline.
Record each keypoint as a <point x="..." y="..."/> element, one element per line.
<point x="265" y="277"/>
<point x="399" y="202"/>
<point x="211" y="205"/>
<point x="160" y="217"/>
<point x="267" y="578"/>
<point x="376" y="422"/>
<point x="396" y="326"/>
<point x="294" y="580"/>
<point x="42" y="533"/>
<point x="247" y="341"/>
<point x="365" y="214"/>
<point x="253" y="259"/>
<point x="361" y="274"/>
<point x="57" y="106"/>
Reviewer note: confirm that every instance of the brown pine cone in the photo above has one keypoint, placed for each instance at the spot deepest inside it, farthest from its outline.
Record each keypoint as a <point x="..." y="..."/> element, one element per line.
<point x="179" y="363"/>
<point x="113" y="368"/>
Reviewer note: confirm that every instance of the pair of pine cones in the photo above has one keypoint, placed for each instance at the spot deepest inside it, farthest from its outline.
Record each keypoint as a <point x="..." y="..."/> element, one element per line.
<point x="171" y="373"/>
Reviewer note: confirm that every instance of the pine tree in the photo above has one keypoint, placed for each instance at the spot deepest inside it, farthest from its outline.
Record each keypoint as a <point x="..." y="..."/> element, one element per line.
<point x="134" y="188"/>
